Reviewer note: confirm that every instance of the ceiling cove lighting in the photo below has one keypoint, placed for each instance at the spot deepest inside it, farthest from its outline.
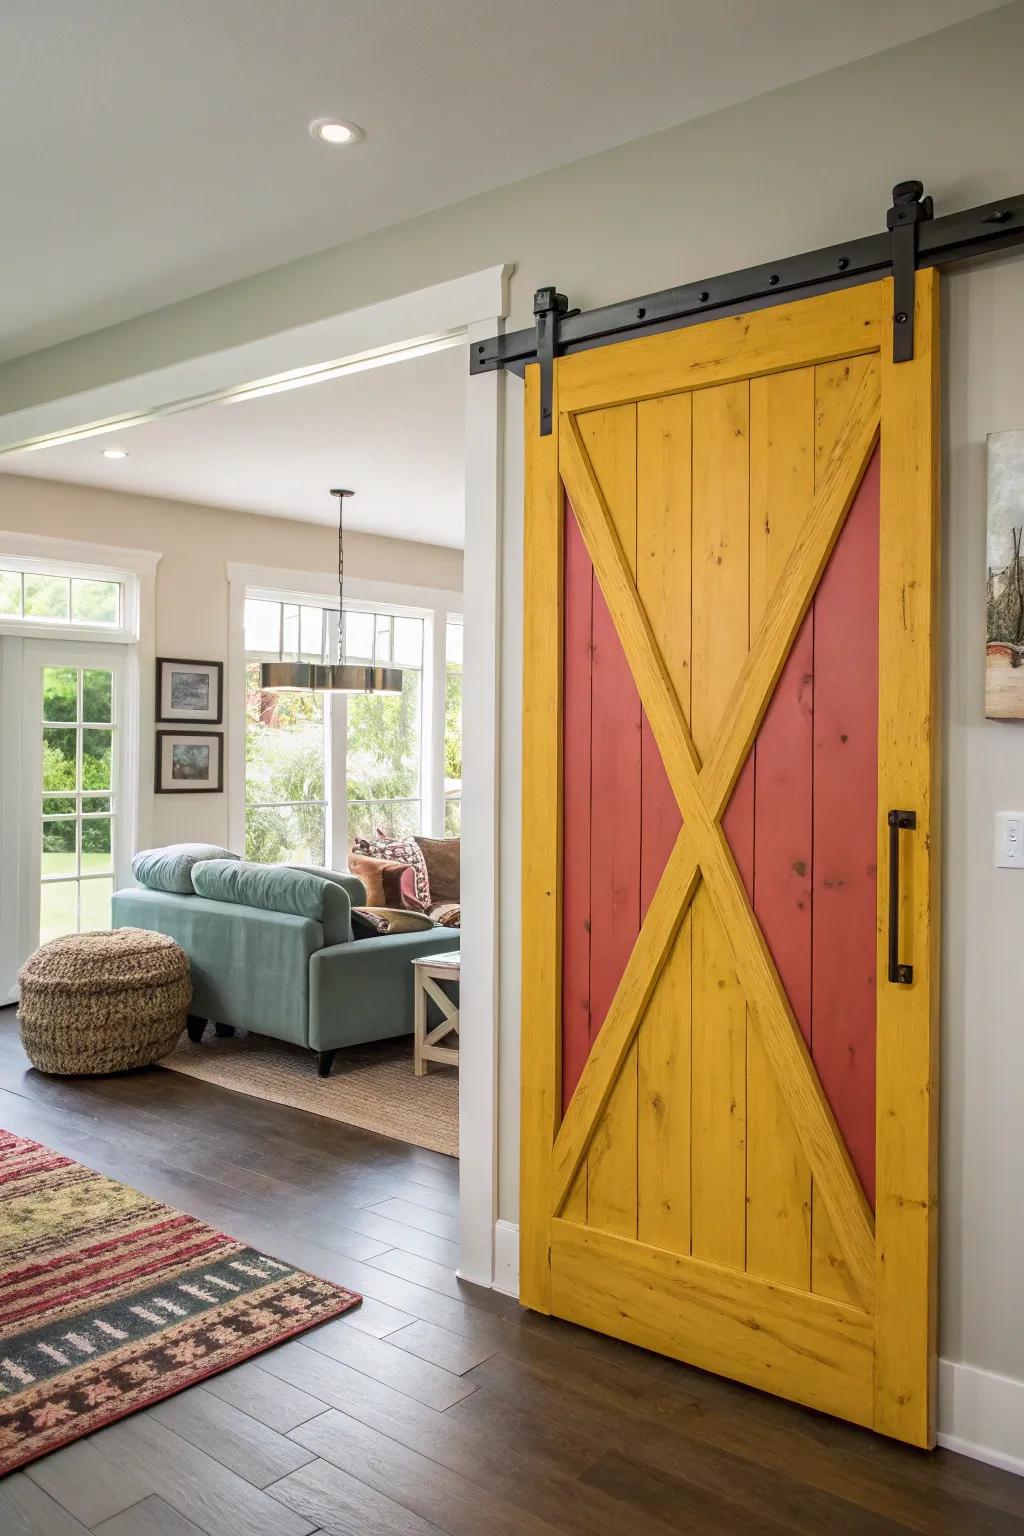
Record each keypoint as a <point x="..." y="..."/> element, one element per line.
<point x="275" y="384"/>
<point x="115" y="453"/>
<point x="334" y="130"/>
<point x="333" y="677"/>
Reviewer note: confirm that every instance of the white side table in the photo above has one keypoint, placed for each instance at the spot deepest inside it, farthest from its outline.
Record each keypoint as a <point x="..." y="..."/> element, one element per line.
<point x="429" y="970"/>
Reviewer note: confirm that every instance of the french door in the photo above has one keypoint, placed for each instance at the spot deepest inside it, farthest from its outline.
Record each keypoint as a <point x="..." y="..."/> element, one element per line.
<point x="730" y="851"/>
<point x="73" y="787"/>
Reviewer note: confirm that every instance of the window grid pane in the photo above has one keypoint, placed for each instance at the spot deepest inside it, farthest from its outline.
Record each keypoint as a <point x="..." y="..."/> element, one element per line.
<point x="287" y="798"/>
<point x="42" y="597"/>
<point x="77" y="824"/>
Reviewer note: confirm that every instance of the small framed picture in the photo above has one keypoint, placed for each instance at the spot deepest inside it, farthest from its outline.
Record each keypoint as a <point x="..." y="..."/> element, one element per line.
<point x="190" y="691"/>
<point x="189" y="762"/>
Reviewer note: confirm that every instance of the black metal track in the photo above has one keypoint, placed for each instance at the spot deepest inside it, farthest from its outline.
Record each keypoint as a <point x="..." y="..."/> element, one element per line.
<point x="992" y="227"/>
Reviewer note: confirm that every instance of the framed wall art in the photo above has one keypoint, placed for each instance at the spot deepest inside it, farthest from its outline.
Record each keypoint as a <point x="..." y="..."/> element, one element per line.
<point x="1004" y="648"/>
<point x="189" y="762"/>
<point x="189" y="691"/>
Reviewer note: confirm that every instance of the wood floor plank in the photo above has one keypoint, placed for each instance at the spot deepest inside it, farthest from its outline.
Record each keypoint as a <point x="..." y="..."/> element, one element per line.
<point x="445" y="1201"/>
<point x="427" y="1383"/>
<point x="375" y="1317"/>
<point x="411" y="1215"/>
<point x="724" y="1496"/>
<point x="431" y="1491"/>
<point x="77" y="1477"/>
<point x="25" y="1510"/>
<point x="234" y="1438"/>
<point x="441" y="1347"/>
<point x="437" y="1277"/>
<point x="193" y="1483"/>
<point x="342" y="1505"/>
<point x="264" y="1397"/>
<point x="503" y="1466"/>
<point x="151" y="1517"/>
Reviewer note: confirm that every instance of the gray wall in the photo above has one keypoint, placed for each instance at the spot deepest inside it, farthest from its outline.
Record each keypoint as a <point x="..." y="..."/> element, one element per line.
<point x="804" y="166"/>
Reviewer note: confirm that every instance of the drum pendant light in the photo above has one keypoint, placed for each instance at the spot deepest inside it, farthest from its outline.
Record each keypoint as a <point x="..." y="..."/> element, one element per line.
<point x="341" y="676"/>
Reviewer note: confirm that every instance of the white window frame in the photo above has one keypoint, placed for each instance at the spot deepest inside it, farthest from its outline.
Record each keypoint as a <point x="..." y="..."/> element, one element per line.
<point x="84" y="562"/>
<point x="361" y="596"/>
<point x="136" y="637"/>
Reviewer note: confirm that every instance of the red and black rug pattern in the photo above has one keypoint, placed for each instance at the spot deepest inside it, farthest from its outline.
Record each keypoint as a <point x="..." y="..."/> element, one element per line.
<point x="110" y="1300"/>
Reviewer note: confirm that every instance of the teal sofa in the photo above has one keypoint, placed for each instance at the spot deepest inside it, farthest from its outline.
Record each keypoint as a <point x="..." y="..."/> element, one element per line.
<point x="272" y="950"/>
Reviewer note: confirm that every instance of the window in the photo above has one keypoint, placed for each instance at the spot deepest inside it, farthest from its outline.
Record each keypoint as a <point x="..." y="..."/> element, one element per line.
<point x="453" y="727"/>
<point x="289" y="765"/>
<point x="45" y="597"/>
<point x="383" y="770"/>
<point x="285" y="739"/>
<point x="78" y="721"/>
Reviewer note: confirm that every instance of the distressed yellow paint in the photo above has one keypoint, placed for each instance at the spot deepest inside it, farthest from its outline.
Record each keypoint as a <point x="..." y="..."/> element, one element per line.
<point x="866" y="1351"/>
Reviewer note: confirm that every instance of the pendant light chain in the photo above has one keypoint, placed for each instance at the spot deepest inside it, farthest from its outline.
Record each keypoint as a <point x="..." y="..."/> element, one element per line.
<point x="324" y="676"/>
<point x="341" y="572"/>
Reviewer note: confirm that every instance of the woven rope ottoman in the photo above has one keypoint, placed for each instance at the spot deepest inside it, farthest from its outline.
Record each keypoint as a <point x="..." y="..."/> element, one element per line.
<point x="103" y="1002"/>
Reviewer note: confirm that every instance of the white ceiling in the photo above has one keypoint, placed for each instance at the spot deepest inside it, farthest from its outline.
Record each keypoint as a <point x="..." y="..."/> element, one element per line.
<point x="154" y="150"/>
<point x="395" y="435"/>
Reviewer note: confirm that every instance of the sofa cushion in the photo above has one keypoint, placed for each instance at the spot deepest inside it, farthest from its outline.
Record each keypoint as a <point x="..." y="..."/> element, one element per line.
<point x="355" y="887"/>
<point x="441" y="856"/>
<point x="381" y="877"/>
<point x="402" y="850"/>
<point x="170" y="868"/>
<point x="275" y="888"/>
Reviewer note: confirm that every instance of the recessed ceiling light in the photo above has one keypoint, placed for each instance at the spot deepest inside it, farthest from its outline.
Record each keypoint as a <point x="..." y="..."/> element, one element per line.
<point x="115" y="453"/>
<point x="332" y="130"/>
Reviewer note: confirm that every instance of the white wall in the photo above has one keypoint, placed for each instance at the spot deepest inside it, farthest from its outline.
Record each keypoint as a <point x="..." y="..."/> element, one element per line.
<point x="804" y="166"/>
<point x="196" y="543"/>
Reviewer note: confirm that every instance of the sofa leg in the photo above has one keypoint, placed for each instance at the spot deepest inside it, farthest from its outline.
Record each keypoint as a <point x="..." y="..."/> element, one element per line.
<point x="224" y="1031"/>
<point x="195" y="1026"/>
<point x="324" y="1062"/>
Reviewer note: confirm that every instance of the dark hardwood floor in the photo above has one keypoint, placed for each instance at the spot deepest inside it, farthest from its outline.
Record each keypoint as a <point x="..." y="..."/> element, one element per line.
<point x="435" y="1406"/>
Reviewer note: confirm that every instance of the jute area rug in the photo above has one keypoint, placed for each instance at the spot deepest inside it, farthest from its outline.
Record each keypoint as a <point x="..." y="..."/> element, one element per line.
<point x="370" y="1086"/>
<point x="110" y="1301"/>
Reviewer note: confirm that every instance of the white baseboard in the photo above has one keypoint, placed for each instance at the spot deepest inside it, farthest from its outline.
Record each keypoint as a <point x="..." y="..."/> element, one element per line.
<point x="506" y="1257"/>
<point x="980" y="1414"/>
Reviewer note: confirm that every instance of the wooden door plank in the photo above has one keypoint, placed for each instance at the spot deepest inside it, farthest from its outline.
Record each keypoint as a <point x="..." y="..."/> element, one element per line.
<point x="908" y="778"/>
<point x="784" y="1045"/>
<point x="813" y="1350"/>
<point x="542" y="841"/>
<point x="845" y="800"/>
<point x="736" y="347"/>
<point x="836" y="385"/>
<point x="781" y="496"/>
<point x="836" y="486"/>
<point x="577" y="758"/>
<point x="721" y="633"/>
<point x="609" y="438"/>
<point x="613" y="1044"/>
<point x="663" y="1043"/>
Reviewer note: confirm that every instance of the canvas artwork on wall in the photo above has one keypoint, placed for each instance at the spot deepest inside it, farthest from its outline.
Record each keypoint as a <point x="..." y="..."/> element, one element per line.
<point x="1004" y="651"/>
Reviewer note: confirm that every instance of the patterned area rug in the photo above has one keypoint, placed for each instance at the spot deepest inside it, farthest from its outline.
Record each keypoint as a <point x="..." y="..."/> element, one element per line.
<point x="371" y="1086"/>
<point x="110" y="1301"/>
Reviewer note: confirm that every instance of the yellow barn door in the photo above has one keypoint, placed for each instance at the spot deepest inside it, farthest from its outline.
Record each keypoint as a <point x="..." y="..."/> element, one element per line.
<point x="730" y="860"/>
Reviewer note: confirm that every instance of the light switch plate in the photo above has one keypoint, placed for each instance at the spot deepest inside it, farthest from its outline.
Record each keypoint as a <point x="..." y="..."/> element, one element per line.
<point x="1010" y="839"/>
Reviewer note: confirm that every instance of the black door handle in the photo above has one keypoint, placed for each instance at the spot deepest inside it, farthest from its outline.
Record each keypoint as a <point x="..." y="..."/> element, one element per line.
<point x="903" y="975"/>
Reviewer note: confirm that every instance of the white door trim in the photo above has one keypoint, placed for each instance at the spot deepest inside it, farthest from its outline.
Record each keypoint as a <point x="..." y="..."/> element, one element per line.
<point x="474" y="305"/>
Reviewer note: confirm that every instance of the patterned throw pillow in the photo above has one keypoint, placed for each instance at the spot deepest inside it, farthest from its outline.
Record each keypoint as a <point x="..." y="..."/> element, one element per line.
<point x="367" y="924"/>
<point x="404" y="850"/>
<point x="447" y="914"/>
